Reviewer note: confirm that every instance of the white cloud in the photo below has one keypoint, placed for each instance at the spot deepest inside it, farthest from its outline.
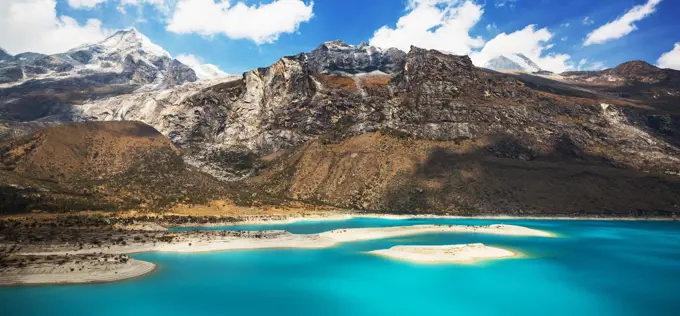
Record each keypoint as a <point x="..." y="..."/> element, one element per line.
<point x="565" y="24"/>
<point x="588" y="21"/>
<point x="623" y="25"/>
<point x="445" y="25"/>
<point x="84" y="4"/>
<point x="491" y="27"/>
<point x="584" y="65"/>
<point x="260" y="23"/>
<point x="530" y="42"/>
<point x="203" y="71"/>
<point x="670" y="59"/>
<point x="33" y="25"/>
<point x="438" y="24"/>
<point x="564" y="38"/>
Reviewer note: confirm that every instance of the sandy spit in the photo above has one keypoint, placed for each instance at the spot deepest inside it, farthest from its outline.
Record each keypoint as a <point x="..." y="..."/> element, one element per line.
<point x="357" y="234"/>
<point x="61" y="274"/>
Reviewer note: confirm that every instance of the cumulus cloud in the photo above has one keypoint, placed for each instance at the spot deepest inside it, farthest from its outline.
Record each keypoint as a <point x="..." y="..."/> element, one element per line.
<point x="33" y="25"/>
<point x="530" y="42"/>
<point x="84" y="4"/>
<point x="203" y="71"/>
<point x="670" y="59"/>
<point x="260" y="23"/>
<point x="445" y="25"/>
<point x="623" y="25"/>
<point x="438" y="24"/>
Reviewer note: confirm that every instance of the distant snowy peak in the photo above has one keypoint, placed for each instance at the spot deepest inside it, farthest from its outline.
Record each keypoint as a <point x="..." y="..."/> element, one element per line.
<point x="126" y="57"/>
<point x="130" y="41"/>
<point x="117" y="47"/>
<point x="512" y="62"/>
<point x="501" y="63"/>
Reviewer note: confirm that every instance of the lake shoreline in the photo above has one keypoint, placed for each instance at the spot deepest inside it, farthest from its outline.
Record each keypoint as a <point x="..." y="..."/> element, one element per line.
<point x="97" y="259"/>
<point x="290" y="219"/>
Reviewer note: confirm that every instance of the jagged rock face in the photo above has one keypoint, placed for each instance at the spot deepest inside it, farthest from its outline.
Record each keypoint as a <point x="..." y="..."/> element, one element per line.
<point x="124" y="62"/>
<point x="338" y="57"/>
<point x="446" y="97"/>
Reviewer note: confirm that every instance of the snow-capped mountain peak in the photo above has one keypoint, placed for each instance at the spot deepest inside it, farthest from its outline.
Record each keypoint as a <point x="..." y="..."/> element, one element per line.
<point x="512" y="62"/>
<point x="125" y="58"/>
<point x="130" y="40"/>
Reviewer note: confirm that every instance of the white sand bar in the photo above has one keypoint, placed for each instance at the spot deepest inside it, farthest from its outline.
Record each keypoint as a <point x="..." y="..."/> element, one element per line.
<point x="445" y="254"/>
<point x="357" y="234"/>
<point x="90" y="273"/>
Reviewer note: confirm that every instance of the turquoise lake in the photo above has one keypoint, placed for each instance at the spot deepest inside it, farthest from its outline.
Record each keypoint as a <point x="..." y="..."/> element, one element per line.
<point x="592" y="268"/>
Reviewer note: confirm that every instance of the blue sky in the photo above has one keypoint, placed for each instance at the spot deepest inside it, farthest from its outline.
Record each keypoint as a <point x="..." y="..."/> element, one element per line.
<point x="562" y="36"/>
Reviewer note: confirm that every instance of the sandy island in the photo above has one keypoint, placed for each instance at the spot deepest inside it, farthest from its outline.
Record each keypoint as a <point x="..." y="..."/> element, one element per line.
<point x="97" y="268"/>
<point x="445" y="254"/>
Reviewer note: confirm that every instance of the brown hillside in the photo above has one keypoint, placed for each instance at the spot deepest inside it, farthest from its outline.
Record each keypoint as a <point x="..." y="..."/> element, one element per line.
<point x="100" y="166"/>
<point x="483" y="177"/>
<point x="88" y="151"/>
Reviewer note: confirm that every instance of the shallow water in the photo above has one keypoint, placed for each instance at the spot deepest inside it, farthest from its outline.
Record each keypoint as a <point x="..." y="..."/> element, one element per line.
<point x="593" y="268"/>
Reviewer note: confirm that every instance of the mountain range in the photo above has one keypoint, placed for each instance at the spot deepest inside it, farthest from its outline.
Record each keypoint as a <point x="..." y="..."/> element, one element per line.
<point x="354" y="127"/>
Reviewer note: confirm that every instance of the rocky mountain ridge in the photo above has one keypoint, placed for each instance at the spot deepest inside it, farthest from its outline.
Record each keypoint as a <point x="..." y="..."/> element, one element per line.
<point x="294" y="128"/>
